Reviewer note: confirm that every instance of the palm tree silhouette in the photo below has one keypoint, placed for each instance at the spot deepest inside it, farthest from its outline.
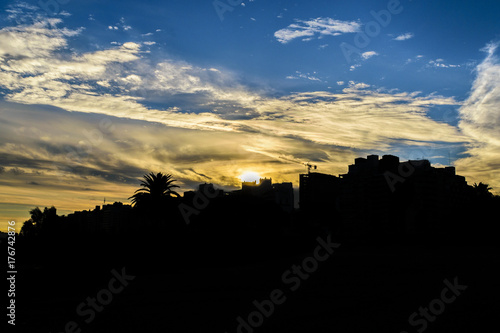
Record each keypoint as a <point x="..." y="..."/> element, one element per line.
<point x="155" y="190"/>
<point x="483" y="190"/>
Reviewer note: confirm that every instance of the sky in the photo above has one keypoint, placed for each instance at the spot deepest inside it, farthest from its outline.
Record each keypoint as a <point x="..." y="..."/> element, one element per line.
<point x="94" y="94"/>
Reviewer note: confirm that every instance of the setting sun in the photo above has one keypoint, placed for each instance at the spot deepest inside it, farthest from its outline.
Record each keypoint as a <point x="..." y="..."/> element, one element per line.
<point x="250" y="176"/>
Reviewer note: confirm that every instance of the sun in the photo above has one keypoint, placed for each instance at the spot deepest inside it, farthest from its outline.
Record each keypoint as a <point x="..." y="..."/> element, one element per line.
<point x="250" y="176"/>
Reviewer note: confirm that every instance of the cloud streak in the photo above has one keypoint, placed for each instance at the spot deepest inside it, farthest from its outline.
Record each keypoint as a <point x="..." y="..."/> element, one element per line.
<point x="367" y="55"/>
<point x="315" y="28"/>
<point x="405" y="36"/>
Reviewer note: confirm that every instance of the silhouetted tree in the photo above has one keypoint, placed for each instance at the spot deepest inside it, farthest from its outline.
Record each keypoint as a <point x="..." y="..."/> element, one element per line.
<point x="31" y="227"/>
<point x="36" y="216"/>
<point x="28" y="229"/>
<point x="49" y="221"/>
<point x="482" y="190"/>
<point x="155" y="189"/>
<point x="40" y="222"/>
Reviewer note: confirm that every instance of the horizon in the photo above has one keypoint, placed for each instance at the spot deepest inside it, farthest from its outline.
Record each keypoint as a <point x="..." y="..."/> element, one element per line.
<point x="227" y="190"/>
<point x="93" y="96"/>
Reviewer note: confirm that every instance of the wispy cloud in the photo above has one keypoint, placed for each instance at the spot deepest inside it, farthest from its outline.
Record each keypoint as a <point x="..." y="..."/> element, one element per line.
<point x="363" y="57"/>
<point x="368" y="54"/>
<point x="353" y="67"/>
<point x="405" y="36"/>
<point x="307" y="76"/>
<point x="480" y="120"/>
<point x="440" y="63"/>
<point x="358" y="85"/>
<point x="120" y="25"/>
<point x="418" y="57"/>
<point x="316" y="28"/>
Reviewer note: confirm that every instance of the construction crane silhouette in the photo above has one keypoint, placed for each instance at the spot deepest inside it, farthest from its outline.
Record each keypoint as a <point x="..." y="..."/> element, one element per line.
<point x="309" y="166"/>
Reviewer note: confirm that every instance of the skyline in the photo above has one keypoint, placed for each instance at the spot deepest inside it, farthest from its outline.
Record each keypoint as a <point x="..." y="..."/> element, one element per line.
<point x="95" y="95"/>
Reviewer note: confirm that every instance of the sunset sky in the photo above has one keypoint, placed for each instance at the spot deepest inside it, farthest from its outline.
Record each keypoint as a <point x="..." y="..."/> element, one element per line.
<point x="94" y="94"/>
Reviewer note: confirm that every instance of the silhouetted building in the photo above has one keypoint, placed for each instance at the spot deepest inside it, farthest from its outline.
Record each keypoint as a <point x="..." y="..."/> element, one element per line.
<point x="384" y="196"/>
<point x="189" y="195"/>
<point x="283" y="194"/>
<point x="210" y="190"/>
<point x="113" y="218"/>
<point x="264" y="189"/>
<point x="317" y="191"/>
<point x="280" y="193"/>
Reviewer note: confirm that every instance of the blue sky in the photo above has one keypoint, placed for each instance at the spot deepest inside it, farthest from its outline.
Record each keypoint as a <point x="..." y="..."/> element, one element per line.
<point x="208" y="90"/>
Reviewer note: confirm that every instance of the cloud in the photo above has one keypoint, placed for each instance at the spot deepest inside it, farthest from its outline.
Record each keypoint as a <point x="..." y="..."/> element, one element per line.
<point x="24" y="13"/>
<point x="171" y="115"/>
<point x="119" y="25"/>
<point x="193" y="97"/>
<point x="39" y="39"/>
<point x="358" y="85"/>
<point x="353" y="67"/>
<point x="318" y="28"/>
<point x="364" y="56"/>
<point x="439" y="63"/>
<point x="414" y="59"/>
<point x="405" y="36"/>
<point x="124" y="26"/>
<point x="307" y="76"/>
<point x="368" y="54"/>
<point x="480" y="120"/>
<point x="19" y="9"/>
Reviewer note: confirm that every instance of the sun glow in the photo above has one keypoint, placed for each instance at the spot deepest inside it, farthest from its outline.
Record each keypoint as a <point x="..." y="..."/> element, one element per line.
<point x="250" y="176"/>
